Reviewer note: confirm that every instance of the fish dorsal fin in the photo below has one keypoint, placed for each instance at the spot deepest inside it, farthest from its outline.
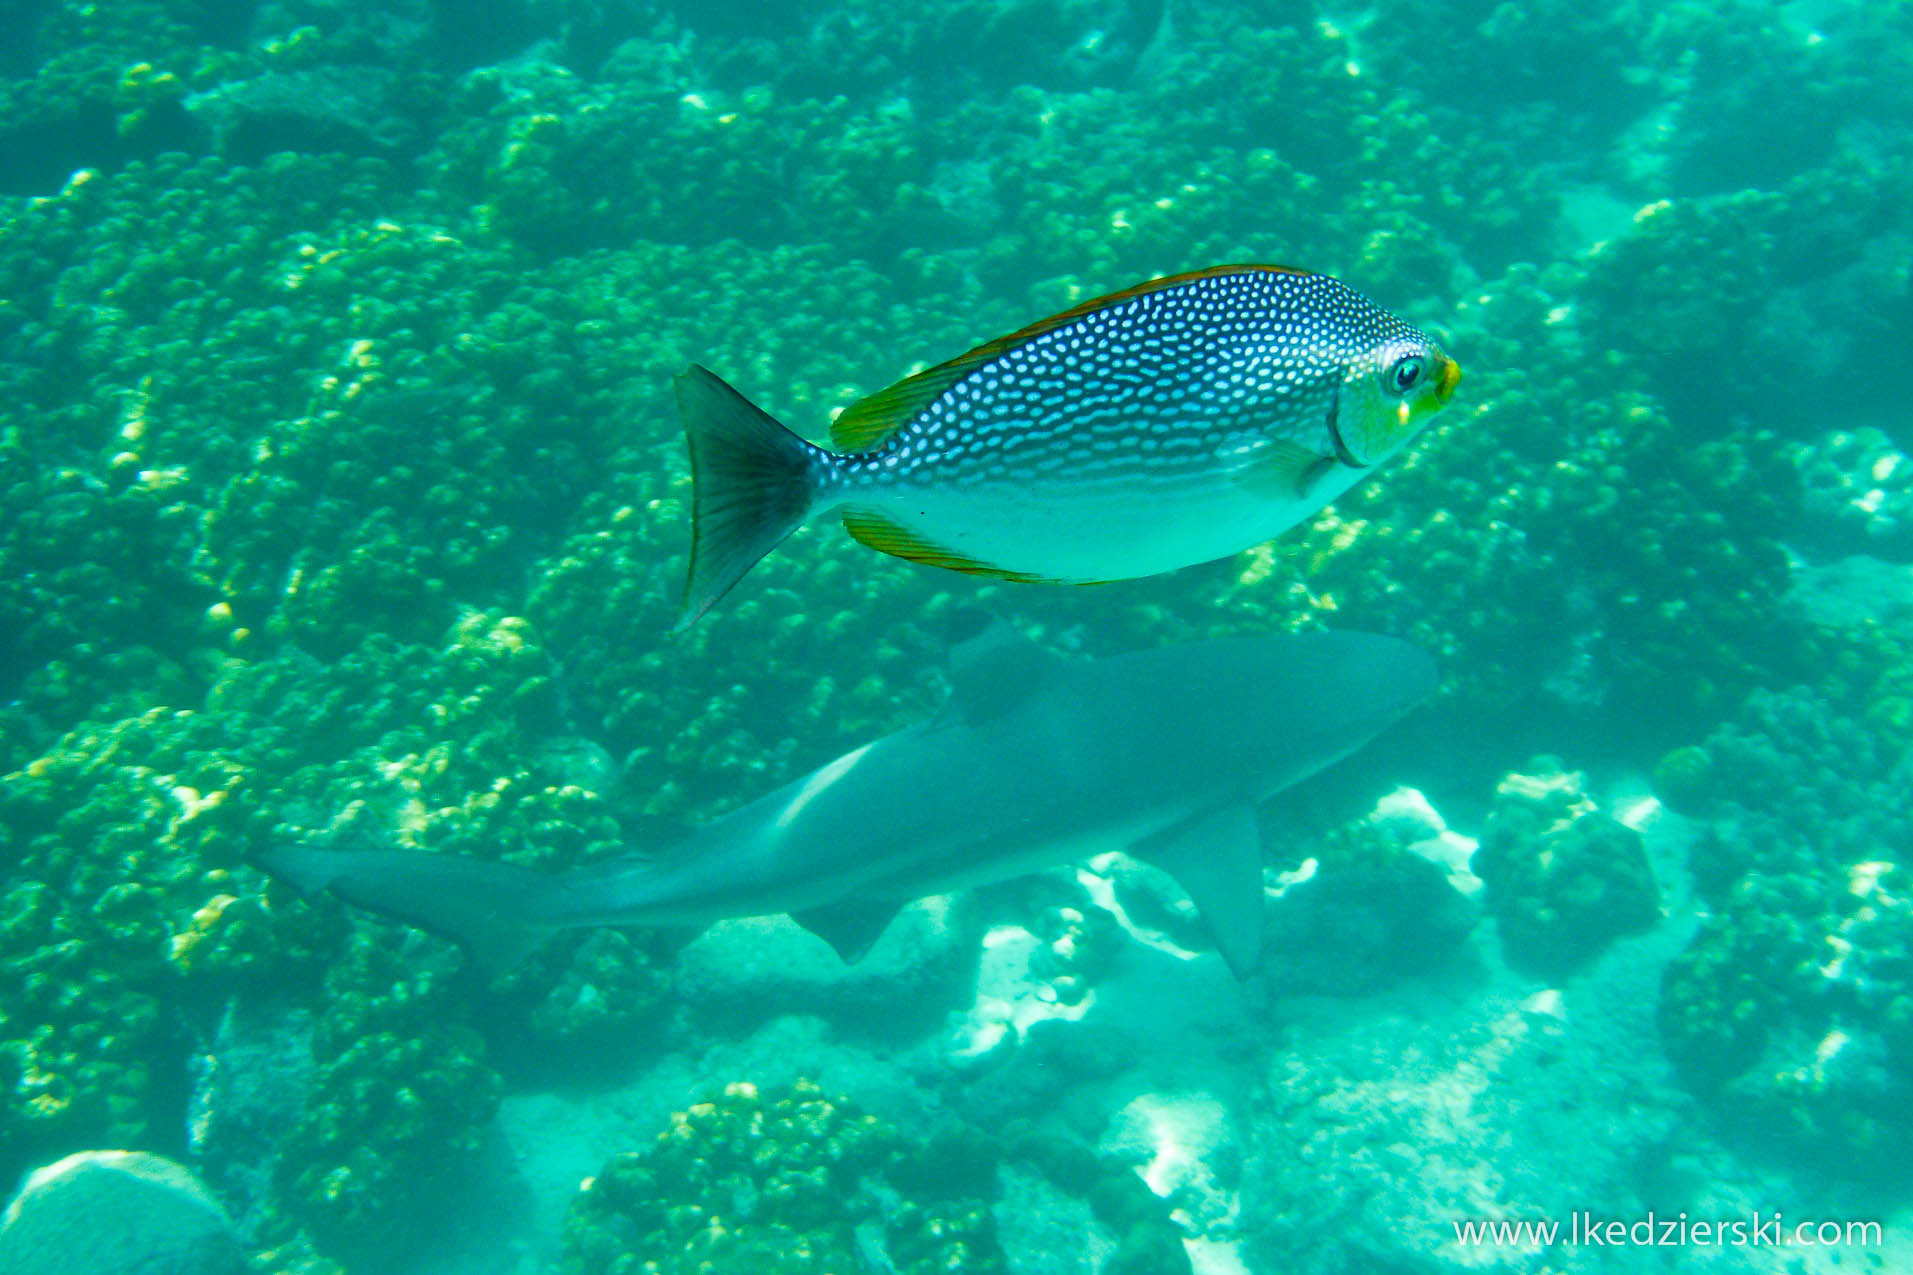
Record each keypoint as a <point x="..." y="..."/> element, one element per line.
<point x="995" y="671"/>
<point x="1217" y="858"/>
<point x="851" y="928"/>
<point x="866" y="423"/>
<point x="886" y="535"/>
<point x="869" y="421"/>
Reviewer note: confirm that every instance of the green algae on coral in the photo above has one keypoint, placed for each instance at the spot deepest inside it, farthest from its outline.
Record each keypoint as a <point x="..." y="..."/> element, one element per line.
<point x="116" y="841"/>
<point x="1788" y="1009"/>
<point x="1562" y="879"/>
<point x="403" y="1096"/>
<point x="789" y="1180"/>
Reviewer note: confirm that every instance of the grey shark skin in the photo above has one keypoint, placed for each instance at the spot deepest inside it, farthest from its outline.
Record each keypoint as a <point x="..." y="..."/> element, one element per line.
<point x="1034" y="762"/>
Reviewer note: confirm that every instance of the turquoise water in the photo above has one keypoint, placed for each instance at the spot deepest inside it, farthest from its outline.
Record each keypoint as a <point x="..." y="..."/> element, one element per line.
<point x="344" y="505"/>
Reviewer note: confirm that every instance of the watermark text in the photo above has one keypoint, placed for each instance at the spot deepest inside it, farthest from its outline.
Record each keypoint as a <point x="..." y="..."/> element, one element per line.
<point x="1584" y="1229"/>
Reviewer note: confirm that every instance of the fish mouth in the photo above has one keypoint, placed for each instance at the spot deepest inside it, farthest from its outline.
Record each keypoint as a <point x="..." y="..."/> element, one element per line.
<point x="1449" y="377"/>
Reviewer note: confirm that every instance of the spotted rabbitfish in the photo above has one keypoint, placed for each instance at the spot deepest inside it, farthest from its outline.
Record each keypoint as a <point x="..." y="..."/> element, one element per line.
<point x="1175" y="422"/>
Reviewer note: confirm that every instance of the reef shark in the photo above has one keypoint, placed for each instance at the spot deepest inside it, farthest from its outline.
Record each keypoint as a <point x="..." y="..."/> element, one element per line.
<point x="1035" y="761"/>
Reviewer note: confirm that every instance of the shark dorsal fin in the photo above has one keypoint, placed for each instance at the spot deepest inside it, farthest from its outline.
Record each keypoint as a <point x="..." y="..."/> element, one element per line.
<point x="1217" y="858"/>
<point x="993" y="671"/>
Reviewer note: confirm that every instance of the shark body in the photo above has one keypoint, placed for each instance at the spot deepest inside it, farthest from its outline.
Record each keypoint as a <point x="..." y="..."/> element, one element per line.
<point x="1034" y="762"/>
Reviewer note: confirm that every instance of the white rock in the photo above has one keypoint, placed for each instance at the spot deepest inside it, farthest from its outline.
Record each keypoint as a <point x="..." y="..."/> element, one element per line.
<point x="117" y="1213"/>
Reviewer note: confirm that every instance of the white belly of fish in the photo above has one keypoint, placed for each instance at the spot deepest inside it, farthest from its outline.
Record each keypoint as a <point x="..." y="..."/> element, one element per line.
<point x="1086" y="532"/>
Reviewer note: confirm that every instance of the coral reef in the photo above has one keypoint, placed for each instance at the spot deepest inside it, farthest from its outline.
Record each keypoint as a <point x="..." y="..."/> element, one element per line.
<point x="1563" y="880"/>
<point x="1367" y="912"/>
<point x="1859" y="494"/>
<point x="402" y="1094"/>
<point x="792" y="1179"/>
<point x="340" y="492"/>
<point x="129" y="916"/>
<point x="1790" y="1008"/>
<point x="120" y="855"/>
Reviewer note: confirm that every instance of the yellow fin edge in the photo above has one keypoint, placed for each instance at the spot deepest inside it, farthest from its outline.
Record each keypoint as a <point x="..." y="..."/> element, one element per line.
<point x="888" y="536"/>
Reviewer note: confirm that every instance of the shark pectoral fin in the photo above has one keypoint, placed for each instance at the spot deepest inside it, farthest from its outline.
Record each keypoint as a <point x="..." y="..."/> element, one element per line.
<point x="851" y="928"/>
<point x="1217" y="858"/>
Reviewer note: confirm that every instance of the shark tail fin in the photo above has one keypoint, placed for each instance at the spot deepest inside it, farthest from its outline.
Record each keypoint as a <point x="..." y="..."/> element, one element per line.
<point x="490" y="909"/>
<point x="753" y="483"/>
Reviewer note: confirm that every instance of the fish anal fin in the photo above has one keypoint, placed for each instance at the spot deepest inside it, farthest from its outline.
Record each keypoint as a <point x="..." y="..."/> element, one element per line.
<point x="1217" y="858"/>
<point x="850" y="928"/>
<point x="886" y="535"/>
<point x="868" y="422"/>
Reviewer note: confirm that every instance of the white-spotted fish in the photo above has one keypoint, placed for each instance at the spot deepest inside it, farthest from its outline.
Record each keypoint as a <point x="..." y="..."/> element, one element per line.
<point x="1175" y="422"/>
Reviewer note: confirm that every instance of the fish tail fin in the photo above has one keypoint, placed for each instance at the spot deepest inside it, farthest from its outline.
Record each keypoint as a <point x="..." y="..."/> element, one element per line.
<point x="491" y="909"/>
<point x="753" y="483"/>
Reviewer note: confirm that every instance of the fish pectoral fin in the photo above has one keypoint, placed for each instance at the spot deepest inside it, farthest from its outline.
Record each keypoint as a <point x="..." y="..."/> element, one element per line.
<point x="851" y="928"/>
<point x="886" y="535"/>
<point x="1281" y="470"/>
<point x="1217" y="858"/>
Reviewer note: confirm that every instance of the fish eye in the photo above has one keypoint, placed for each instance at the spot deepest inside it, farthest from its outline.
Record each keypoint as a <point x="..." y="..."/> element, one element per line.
<point x="1405" y="374"/>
